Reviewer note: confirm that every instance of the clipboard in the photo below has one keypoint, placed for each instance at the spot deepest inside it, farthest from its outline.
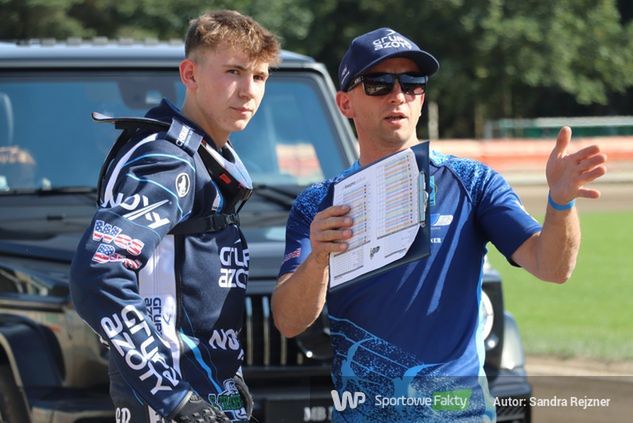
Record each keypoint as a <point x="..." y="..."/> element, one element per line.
<point x="389" y="202"/>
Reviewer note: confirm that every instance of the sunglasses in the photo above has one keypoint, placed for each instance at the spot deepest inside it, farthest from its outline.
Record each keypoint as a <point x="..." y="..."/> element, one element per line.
<point x="378" y="84"/>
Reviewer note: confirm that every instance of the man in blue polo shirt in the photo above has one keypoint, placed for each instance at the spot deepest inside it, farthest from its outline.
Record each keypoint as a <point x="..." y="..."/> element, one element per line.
<point x="414" y="332"/>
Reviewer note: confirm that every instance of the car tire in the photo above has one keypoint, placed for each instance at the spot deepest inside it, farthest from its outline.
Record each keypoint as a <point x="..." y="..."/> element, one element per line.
<point x="12" y="407"/>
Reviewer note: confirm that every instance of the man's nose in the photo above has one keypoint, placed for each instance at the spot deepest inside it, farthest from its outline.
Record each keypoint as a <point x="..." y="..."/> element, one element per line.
<point x="248" y="87"/>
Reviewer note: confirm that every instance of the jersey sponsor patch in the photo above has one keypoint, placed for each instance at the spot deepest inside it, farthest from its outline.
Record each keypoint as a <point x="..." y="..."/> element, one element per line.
<point x="144" y="358"/>
<point x="106" y="254"/>
<point x="224" y="339"/>
<point x="111" y="234"/>
<point x="122" y="415"/>
<point x="439" y="226"/>
<point x="182" y="184"/>
<point x="230" y="401"/>
<point x="441" y="219"/>
<point x="112" y="237"/>
<point x="234" y="271"/>
<point x="161" y="310"/>
<point x="139" y="206"/>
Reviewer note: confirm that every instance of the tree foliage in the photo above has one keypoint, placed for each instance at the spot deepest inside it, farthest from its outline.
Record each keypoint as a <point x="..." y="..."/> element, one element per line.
<point x="499" y="58"/>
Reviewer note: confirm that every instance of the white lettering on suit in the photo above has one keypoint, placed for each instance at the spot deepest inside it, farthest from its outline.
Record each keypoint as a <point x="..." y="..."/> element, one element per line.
<point x="119" y="328"/>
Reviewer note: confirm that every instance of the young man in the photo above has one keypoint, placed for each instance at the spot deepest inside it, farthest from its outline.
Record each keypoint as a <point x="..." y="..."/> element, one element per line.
<point x="415" y="330"/>
<point x="151" y="273"/>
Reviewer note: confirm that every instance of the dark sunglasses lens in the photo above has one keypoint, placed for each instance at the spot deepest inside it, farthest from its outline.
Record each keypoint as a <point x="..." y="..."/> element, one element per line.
<point x="413" y="84"/>
<point x="378" y="85"/>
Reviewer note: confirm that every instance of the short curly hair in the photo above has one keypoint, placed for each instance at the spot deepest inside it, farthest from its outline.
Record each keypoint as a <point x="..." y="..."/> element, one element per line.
<point x="237" y="30"/>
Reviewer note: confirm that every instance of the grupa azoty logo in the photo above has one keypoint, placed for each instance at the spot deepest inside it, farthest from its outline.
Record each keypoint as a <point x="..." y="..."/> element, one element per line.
<point x="347" y="399"/>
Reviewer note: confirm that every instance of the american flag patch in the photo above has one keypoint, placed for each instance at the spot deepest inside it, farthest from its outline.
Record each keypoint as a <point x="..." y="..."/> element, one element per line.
<point x="294" y="254"/>
<point x="106" y="254"/>
<point x="103" y="253"/>
<point x="105" y="232"/>
<point x="108" y="234"/>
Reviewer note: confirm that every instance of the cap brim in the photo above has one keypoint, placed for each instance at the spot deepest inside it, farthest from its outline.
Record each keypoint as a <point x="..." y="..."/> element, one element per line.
<point x="426" y="62"/>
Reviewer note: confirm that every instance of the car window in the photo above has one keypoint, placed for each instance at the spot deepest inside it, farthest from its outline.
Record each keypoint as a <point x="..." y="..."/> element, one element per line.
<point x="291" y="139"/>
<point x="48" y="140"/>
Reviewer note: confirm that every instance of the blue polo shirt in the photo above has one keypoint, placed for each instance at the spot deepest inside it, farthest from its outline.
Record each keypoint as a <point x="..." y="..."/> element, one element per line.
<point x="416" y="331"/>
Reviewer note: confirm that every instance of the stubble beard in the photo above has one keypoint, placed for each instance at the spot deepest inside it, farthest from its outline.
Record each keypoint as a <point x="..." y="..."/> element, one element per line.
<point x="397" y="139"/>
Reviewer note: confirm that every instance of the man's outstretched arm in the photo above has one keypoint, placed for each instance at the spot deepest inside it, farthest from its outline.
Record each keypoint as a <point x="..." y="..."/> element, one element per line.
<point x="551" y="254"/>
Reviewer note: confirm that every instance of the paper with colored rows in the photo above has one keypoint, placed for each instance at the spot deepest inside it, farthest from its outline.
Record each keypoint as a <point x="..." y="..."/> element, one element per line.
<point x="387" y="206"/>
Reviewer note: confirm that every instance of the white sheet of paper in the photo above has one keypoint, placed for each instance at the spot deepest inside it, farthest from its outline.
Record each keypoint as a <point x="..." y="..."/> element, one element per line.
<point x="385" y="206"/>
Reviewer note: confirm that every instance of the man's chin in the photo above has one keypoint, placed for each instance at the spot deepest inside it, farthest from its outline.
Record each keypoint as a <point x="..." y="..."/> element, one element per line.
<point x="398" y="137"/>
<point x="240" y="125"/>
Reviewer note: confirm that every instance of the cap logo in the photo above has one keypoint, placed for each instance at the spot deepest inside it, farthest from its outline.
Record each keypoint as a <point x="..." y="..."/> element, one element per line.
<point x="345" y="73"/>
<point x="392" y="40"/>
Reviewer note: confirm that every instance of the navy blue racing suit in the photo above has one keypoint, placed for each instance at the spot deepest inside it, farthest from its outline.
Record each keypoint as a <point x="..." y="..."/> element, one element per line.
<point x="170" y="307"/>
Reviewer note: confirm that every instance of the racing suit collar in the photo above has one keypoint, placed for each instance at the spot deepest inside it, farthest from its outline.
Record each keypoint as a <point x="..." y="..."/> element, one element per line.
<point x="166" y="110"/>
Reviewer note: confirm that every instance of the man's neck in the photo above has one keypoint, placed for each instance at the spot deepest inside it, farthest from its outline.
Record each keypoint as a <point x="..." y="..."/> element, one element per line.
<point x="370" y="152"/>
<point x="217" y="137"/>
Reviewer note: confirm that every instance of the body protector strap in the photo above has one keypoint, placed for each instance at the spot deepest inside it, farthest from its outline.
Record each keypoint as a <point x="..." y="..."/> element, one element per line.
<point x="225" y="169"/>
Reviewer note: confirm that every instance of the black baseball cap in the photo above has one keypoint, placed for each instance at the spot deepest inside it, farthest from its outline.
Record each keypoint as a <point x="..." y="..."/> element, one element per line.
<point x="373" y="47"/>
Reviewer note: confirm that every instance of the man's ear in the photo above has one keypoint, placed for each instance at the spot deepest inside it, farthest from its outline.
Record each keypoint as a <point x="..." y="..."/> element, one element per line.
<point x="188" y="73"/>
<point x="344" y="104"/>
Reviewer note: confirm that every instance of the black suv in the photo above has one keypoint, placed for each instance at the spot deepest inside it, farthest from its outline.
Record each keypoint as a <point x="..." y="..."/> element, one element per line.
<point x="52" y="366"/>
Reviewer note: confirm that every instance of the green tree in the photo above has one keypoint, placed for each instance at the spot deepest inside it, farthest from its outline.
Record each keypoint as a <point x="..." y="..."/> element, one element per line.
<point x="24" y="19"/>
<point x="527" y="48"/>
<point x="499" y="58"/>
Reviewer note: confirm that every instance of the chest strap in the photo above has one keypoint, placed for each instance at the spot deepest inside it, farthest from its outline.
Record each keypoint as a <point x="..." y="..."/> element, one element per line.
<point x="211" y="223"/>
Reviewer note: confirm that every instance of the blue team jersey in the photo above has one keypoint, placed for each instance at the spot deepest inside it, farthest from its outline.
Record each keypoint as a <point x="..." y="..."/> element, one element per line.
<point x="416" y="331"/>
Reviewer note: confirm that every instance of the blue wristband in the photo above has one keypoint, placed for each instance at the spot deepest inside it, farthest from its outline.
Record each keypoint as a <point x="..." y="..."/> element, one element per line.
<point x="559" y="207"/>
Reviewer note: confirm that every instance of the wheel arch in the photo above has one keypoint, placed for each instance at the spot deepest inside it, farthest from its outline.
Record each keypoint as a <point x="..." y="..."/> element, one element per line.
<point x="26" y="347"/>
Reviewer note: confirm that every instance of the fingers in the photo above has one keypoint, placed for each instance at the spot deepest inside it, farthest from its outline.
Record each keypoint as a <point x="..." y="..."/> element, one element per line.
<point x="562" y="141"/>
<point x="329" y="229"/>
<point x="590" y="176"/>
<point x="567" y="173"/>
<point x="590" y="162"/>
<point x="329" y="224"/>
<point x="335" y="211"/>
<point x="588" y="193"/>
<point x="588" y="151"/>
<point x="589" y="169"/>
<point x="588" y="157"/>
